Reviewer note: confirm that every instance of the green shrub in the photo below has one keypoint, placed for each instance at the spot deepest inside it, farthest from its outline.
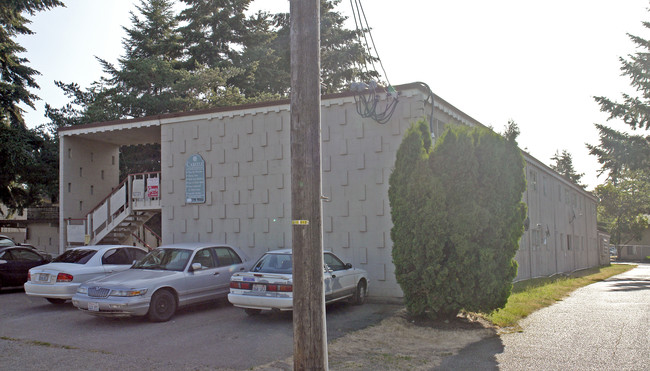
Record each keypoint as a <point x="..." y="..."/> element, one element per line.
<point x="457" y="219"/>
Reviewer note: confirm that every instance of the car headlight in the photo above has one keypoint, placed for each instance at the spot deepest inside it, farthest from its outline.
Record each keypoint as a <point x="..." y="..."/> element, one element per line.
<point x="128" y="293"/>
<point x="82" y="290"/>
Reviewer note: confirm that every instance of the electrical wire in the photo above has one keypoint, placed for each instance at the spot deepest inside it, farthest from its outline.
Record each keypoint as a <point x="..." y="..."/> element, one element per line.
<point x="367" y="95"/>
<point x="373" y="42"/>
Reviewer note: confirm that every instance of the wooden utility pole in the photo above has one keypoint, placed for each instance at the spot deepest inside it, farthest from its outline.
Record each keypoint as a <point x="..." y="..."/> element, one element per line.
<point x="309" y="331"/>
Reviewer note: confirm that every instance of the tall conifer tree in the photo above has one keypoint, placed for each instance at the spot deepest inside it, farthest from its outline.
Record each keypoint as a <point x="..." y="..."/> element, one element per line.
<point x="22" y="151"/>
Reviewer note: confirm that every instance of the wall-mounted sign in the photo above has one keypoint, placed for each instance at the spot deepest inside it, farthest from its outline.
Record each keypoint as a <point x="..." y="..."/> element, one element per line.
<point x="153" y="188"/>
<point x="195" y="180"/>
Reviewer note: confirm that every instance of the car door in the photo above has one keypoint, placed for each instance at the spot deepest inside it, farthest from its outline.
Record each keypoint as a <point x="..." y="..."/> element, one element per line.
<point x="228" y="262"/>
<point x="343" y="280"/>
<point x="7" y="269"/>
<point x="202" y="283"/>
<point x="23" y="261"/>
<point x="116" y="260"/>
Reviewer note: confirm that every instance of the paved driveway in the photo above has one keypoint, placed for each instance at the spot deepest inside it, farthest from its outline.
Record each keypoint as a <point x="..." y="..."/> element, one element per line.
<point x="603" y="326"/>
<point x="36" y="335"/>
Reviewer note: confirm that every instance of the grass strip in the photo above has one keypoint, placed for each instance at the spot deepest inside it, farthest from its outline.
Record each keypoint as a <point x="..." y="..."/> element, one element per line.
<point x="531" y="295"/>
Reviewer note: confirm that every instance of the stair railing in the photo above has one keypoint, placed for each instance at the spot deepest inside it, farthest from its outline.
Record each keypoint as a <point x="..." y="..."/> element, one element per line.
<point x="139" y="191"/>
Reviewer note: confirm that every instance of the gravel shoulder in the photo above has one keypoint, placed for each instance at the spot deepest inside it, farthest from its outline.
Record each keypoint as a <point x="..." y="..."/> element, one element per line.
<point x="397" y="343"/>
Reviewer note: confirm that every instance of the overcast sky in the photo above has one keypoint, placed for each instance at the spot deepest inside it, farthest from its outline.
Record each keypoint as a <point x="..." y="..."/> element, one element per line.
<point x="537" y="63"/>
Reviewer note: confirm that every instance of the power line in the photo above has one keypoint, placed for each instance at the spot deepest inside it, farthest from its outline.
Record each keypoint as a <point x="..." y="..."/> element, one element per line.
<point x="367" y="95"/>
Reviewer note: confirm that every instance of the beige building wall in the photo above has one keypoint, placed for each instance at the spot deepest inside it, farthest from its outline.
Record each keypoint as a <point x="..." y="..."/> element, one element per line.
<point x="562" y="233"/>
<point x="45" y="236"/>
<point x="247" y="179"/>
<point x="248" y="189"/>
<point x="88" y="170"/>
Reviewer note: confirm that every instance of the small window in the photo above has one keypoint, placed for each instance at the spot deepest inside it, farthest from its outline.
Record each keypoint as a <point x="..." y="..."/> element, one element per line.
<point x="26" y="255"/>
<point x="69" y="152"/>
<point x="81" y="205"/>
<point x="532" y="181"/>
<point x="92" y="190"/>
<point x="116" y="256"/>
<point x="92" y="155"/>
<point x="77" y="256"/>
<point x="568" y="242"/>
<point x="102" y="175"/>
<point x="226" y="256"/>
<point x="69" y="187"/>
<point x="333" y="262"/>
<point x="137" y="254"/>
<point x="112" y="160"/>
<point x="204" y="257"/>
<point x="81" y="171"/>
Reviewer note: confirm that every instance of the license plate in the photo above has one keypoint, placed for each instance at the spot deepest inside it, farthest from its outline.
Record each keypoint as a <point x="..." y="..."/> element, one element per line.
<point x="44" y="277"/>
<point x="93" y="307"/>
<point x="259" y="288"/>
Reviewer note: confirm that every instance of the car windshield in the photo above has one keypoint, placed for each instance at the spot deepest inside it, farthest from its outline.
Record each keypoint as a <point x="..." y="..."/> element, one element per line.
<point x="165" y="259"/>
<point x="75" y="256"/>
<point x="274" y="263"/>
<point x="6" y="242"/>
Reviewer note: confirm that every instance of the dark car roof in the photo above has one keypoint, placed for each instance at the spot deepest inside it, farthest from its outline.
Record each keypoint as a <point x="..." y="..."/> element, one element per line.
<point x="21" y="247"/>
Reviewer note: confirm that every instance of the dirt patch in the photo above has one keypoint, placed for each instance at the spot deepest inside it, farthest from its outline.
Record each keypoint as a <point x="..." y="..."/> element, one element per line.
<point x="400" y="343"/>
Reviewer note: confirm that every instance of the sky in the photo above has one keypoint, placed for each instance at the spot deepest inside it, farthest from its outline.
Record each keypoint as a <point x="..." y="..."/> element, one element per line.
<point x="537" y="63"/>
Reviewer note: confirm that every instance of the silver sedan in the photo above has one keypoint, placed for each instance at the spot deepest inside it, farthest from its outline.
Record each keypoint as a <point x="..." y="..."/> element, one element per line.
<point x="58" y="281"/>
<point x="167" y="278"/>
<point x="269" y="284"/>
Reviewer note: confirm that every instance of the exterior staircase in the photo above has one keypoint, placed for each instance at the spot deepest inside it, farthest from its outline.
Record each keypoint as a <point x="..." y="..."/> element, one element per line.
<point x="121" y="215"/>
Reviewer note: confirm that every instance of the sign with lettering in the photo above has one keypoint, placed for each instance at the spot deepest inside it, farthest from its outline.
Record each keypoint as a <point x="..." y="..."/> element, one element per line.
<point x="195" y="180"/>
<point x="153" y="188"/>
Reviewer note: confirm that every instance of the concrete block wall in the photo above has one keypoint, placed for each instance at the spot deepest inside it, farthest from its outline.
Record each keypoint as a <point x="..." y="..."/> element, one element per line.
<point x="562" y="234"/>
<point x="248" y="182"/>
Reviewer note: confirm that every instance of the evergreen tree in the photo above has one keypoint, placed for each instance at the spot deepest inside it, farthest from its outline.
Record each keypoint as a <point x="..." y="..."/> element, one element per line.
<point x="617" y="151"/>
<point x="22" y="151"/>
<point x="343" y="57"/>
<point x="458" y="217"/>
<point x="16" y="76"/>
<point x="259" y="58"/>
<point x="511" y="131"/>
<point x="624" y="206"/>
<point x="214" y="31"/>
<point x="151" y="78"/>
<point x="563" y="165"/>
<point x="624" y="203"/>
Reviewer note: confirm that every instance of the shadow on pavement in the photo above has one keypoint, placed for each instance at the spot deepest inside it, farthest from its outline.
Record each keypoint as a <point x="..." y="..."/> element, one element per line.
<point x="476" y="356"/>
<point x="629" y="284"/>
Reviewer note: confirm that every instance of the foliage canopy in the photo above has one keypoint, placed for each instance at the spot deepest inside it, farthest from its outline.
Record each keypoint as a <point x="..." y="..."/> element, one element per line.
<point x="625" y="158"/>
<point x="458" y="217"/>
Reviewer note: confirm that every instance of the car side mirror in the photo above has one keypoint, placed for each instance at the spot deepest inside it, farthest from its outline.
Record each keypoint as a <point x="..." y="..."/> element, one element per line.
<point x="348" y="266"/>
<point x="196" y="267"/>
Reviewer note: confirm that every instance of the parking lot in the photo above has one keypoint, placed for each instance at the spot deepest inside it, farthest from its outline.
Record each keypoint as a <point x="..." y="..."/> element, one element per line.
<point x="208" y="336"/>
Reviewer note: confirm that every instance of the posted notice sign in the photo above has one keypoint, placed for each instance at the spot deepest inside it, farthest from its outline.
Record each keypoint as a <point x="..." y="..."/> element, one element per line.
<point x="195" y="180"/>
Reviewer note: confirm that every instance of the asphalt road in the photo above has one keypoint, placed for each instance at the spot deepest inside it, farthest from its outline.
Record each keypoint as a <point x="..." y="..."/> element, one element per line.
<point x="603" y="326"/>
<point x="36" y="335"/>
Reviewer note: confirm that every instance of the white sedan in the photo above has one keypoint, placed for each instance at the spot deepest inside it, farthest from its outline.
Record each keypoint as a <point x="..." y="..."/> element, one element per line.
<point x="58" y="281"/>
<point x="269" y="284"/>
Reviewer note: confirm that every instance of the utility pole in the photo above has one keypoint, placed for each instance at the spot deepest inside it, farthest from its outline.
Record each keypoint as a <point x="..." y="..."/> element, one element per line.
<point x="309" y="331"/>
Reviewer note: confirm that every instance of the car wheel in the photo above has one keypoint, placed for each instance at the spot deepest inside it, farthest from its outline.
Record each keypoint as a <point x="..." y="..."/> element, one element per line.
<point x="360" y="295"/>
<point x="55" y="301"/>
<point x="162" y="306"/>
<point x="252" y="312"/>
